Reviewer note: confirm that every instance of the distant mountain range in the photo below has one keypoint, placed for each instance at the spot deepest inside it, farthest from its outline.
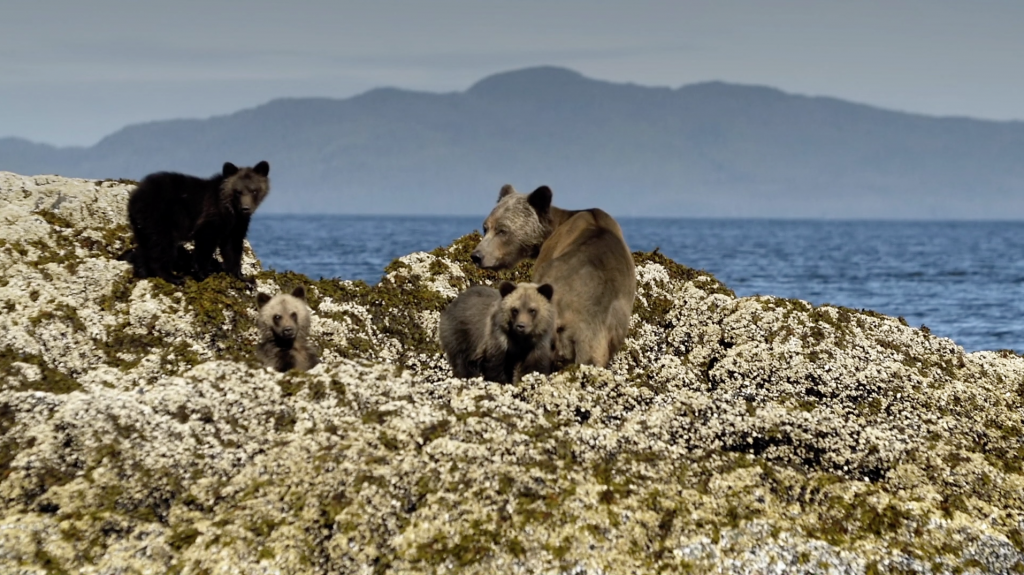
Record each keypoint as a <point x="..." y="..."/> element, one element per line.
<point x="709" y="149"/>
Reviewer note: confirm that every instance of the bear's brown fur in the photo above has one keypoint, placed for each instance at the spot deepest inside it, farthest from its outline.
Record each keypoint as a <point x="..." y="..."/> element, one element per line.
<point x="582" y="254"/>
<point x="284" y="332"/>
<point x="465" y="327"/>
<point x="168" y="209"/>
<point x="499" y="334"/>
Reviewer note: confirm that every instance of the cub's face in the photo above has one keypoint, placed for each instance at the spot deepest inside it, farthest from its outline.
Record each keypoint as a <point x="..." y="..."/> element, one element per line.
<point x="514" y="230"/>
<point x="526" y="309"/>
<point x="246" y="201"/>
<point x="245" y="188"/>
<point x="284" y="316"/>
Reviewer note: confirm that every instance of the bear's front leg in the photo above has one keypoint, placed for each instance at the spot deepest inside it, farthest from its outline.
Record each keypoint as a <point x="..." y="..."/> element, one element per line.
<point x="206" y="244"/>
<point x="184" y="263"/>
<point x="154" y="258"/>
<point x="538" y="360"/>
<point x="231" y="253"/>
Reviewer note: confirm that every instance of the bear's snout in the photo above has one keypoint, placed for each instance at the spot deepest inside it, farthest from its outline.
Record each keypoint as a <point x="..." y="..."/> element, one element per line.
<point x="476" y="257"/>
<point x="288" y="332"/>
<point x="520" y="327"/>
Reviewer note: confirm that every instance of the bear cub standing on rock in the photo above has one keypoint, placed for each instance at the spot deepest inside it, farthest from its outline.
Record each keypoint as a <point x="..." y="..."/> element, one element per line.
<point x="284" y="331"/>
<point x="168" y="209"/>
<point x="499" y="334"/>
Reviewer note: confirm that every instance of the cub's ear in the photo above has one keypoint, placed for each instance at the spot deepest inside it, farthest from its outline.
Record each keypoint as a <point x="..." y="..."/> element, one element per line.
<point x="262" y="168"/>
<point x="299" y="292"/>
<point x="506" y="288"/>
<point x="229" y="170"/>
<point x="546" y="290"/>
<point x="506" y="190"/>
<point x="540" y="200"/>
<point x="261" y="300"/>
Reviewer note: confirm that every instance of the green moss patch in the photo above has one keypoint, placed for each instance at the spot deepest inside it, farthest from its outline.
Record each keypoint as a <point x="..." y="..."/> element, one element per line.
<point x="459" y="253"/>
<point x="51" y="379"/>
<point x="222" y="305"/>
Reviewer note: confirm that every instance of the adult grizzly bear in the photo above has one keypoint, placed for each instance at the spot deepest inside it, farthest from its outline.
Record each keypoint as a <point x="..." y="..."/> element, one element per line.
<point x="581" y="254"/>
<point x="168" y="209"/>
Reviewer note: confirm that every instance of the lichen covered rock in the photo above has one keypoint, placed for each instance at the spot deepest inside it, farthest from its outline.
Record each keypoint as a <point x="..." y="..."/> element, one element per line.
<point x="734" y="435"/>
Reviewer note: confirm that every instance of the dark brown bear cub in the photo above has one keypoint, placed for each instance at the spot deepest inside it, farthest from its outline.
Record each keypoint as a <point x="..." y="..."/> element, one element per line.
<point x="168" y="209"/>
<point x="284" y="331"/>
<point x="499" y="334"/>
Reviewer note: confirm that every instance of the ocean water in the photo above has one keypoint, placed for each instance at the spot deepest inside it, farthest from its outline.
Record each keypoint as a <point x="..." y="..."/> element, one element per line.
<point x="964" y="280"/>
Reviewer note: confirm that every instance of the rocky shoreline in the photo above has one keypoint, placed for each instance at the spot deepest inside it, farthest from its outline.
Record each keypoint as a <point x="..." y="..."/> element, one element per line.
<point x="730" y="435"/>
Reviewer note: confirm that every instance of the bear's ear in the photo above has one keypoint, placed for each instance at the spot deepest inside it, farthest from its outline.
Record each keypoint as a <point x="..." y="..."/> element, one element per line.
<point x="262" y="168"/>
<point x="299" y="292"/>
<point x="261" y="299"/>
<point x="506" y="288"/>
<point x="506" y="190"/>
<point x="229" y="170"/>
<point x="546" y="290"/>
<point x="540" y="200"/>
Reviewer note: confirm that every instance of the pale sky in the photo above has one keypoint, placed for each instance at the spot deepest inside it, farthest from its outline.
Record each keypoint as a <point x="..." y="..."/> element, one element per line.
<point x="72" y="72"/>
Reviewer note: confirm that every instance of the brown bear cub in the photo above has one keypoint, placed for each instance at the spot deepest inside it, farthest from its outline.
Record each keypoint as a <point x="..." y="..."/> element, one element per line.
<point x="168" y="209"/>
<point x="284" y="331"/>
<point x="499" y="334"/>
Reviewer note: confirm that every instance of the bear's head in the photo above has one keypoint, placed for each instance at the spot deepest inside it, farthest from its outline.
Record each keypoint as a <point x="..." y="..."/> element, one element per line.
<point x="515" y="228"/>
<point x="526" y="310"/>
<point x="244" y="188"/>
<point x="283" y="317"/>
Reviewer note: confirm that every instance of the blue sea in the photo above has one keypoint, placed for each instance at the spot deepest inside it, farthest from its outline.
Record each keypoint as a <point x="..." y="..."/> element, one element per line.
<point x="964" y="280"/>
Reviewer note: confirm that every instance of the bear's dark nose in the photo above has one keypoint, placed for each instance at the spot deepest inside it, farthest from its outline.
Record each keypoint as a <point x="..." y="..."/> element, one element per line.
<point x="476" y="257"/>
<point x="520" y="327"/>
<point x="288" y="332"/>
<point x="246" y="209"/>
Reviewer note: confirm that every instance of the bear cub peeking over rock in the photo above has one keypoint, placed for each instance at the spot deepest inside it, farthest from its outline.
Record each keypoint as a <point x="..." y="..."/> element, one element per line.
<point x="168" y="209"/>
<point x="284" y="332"/>
<point x="499" y="334"/>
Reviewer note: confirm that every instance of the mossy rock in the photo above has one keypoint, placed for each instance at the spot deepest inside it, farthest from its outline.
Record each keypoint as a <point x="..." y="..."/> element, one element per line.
<point x="729" y="435"/>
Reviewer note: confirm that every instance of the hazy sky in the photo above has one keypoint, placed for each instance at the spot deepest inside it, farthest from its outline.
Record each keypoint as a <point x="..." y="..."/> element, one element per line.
<point x="73" y="71"/>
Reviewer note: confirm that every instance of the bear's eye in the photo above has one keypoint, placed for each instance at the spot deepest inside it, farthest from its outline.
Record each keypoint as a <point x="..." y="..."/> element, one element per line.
<point x="295" y="317"/>
<point x="533" y="312"/>
<point x="485" y="230"/>
<point x="515" y="311"/>
<point x="501" y="232"/>
<point x="277" y="317"/>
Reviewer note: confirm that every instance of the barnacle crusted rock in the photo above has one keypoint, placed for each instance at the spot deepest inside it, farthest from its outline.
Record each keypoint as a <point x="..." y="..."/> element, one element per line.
<point x="730" y="435"/>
